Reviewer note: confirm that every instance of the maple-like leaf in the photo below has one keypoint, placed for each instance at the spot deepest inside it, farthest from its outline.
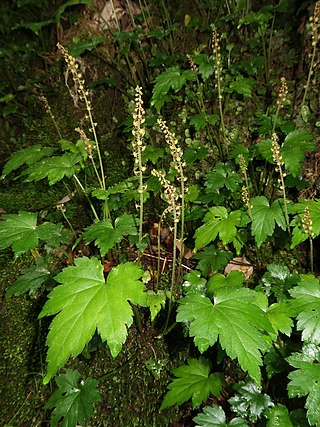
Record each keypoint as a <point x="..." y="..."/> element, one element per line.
<point x="156" y="301"/>
<point x="218" y="222"/>
<point x="22" y="233"/>
<point x="172" y="78"/>
<point x="73" y="400"/>
<point x="306" y="304"/>
<point x="278" y="416"/>
<point x="214" y="416"/>
<point x="54" y="168"/>
<point x="305" y="380"/>
<point x="250" y="402"/>
<point x="212" y="259"/>
<point x="85" y="302"/>
<point x="106" y="236"/>
<point x="222" y="176"/>
<point x="280" y="314"/>
<point x="194" y="283"/>
<point x="265" y="217"/>
<point x="30" y="280"/>
<point x="26" y="156"/>
<point x="193" y="381"/>
<point x="293" y="148"/>
<point x="241" y="326"/>
<point x="19" y="231"/>
<point x="235" y="278"/>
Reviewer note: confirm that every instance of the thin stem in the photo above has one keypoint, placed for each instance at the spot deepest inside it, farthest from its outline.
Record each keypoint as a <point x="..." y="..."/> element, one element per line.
<point x="285" y="203"/>
<point x="87" y="197"/>
<point x="309" y="74"/>
<point x="93" y="128"/>
<point x="141" y="191"/>
<point x="182" y="218"/>
<point x="159" y="252"/>
<point x="311" y="254"/>
<point x="270" y="46"/>
<point x="173" y="273"/>
<point x="68" y="222"/>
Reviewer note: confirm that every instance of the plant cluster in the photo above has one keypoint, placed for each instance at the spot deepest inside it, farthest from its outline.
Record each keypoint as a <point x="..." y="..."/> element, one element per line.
<point x="243" y="219"/>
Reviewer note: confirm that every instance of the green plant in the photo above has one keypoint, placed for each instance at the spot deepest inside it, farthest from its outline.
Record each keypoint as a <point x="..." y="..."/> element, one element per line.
<point x="241" y="212"/>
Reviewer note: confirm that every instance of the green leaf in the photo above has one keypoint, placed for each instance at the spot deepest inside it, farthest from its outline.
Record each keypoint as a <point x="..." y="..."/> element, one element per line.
<point x="294" y="147"/>
<point x="74" y="400"/>
<point x="264" y="147"/>
<point x="280" y="314"/>
<point x="250" y="402"/>
<point x="80" y="46"/>
<point x="235" y="319"/>
<point x="305" y="380"/>
<point x="193" y="381"/>
<point x="218" y="222"/>
<point x="106" y="236"/>
<point x="30" y="280"/>
<point x="214" y="416"/>
<point x="121" y="187"/>
<point x="200" y="121"/>
<point x="211" y="416"/>
<point x="278" y="416"/>
<point x="265" y="217"/>
<point x="242" y="85"/>
<point x="194" y="283"/>
<point x="54" y="168"/>
<point x="36" y="27"/>
<point x="279" y="280"/>
<point x="84" y="302"/>
<point x="156" y="301"/>
<point x="19" y="231"/>
<point x="234" y="278"/>
<point x="206" y="67"/>
<point x="125" y="225"/>
<point x="306" y="304"/>
<point x="27" y="156"/>
<point x="173" y="78"/>
<point x="222" y="176"/>
<point x="152" y="153"/>
<point x="259" y="18"/>
<point x="212" y="260"/>
<point x="53" y="234"/>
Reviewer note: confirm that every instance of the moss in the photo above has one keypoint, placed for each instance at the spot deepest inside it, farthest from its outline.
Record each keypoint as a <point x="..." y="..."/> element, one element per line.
<point x="21" y="390"/>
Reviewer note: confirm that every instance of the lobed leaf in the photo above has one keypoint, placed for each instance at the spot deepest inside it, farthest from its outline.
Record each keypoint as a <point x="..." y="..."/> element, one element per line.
<point x="241" y="326"/>
<point x="306" y="305"/>
<point x="218" y="222"/>
<point x="54" y="168"/>
<point x="278" y="416"/>
<point x="74" y="400"/>
<point x="30" y="280"/>
<point x="250" y="402"/>
<point x="305" y="381"/>
<point x="173" y="78"/>
<point x="265" y="217"/>
<point x="85" y="302"/>
<point x="29" y="156"/>
<point x="19" y="231"/>
<point x="212" y="259"/>
<point x="106" y="236"/>
<point x="193" y="381"/>
<point x="294" y="147"/>
<point x="214" y="416"/>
